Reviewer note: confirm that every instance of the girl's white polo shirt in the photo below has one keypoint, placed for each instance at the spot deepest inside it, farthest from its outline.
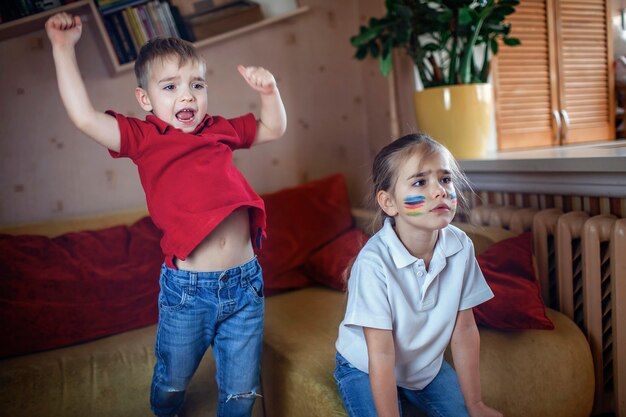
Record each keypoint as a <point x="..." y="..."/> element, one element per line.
<point x="391" y="289"/>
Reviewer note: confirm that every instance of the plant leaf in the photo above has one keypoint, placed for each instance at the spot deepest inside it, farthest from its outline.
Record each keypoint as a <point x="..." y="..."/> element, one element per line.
<point x="505" y="10"/>
<point x="367" y="34"/>
<point x="494" y="46"/>
<point x="512" y="41"/>
<point x="509" y="2"/>
<point x="465" y="16"/>
<point x="385" y="64"/>
<point x="374" y="49"/>
<point x="361" y="52"/>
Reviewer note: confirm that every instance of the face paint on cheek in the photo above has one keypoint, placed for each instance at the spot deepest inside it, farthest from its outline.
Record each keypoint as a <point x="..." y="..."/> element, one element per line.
<point x="414" y="205"/>
<point x="453" y="201"/>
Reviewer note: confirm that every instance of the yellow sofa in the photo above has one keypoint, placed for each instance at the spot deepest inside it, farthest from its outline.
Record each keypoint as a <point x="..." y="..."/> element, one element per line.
<point x="531" y="373"/>
<point x="525" y="373"/>
<point x="107" y="377"/>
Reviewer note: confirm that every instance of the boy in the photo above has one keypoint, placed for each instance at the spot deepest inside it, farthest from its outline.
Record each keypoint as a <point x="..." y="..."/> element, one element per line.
<point x="206" y="209"/>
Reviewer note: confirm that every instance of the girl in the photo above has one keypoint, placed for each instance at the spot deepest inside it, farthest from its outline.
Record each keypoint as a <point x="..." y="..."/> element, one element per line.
<point x="411" y="292"/>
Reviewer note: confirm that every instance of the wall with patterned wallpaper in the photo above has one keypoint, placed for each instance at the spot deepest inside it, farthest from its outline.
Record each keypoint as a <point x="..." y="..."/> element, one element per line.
<point x="338" y="110"/>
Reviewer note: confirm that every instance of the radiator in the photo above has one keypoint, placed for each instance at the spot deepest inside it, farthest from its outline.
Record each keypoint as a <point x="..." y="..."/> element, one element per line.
<point x="581" y="267"/>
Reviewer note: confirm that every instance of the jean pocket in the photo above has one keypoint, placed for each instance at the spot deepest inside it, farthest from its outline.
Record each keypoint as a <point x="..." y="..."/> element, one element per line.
<point x="172" y="296"/>
<point x="343" y="368"/>
<point x="255" y="284"/>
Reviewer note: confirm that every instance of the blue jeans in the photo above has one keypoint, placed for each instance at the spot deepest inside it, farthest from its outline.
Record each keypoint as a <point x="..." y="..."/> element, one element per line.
<point x="441" y="398"/>
<point x="201" y="309"/>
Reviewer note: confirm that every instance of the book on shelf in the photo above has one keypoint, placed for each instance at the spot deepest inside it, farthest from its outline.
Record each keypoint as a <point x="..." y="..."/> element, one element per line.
<point x="184" y="31"/>
<point x="124" y="35"/>
<point x="37" y="6"/>
<point x="131" y="30"/>
<point x="114" y="6"/>
<point x="155" y="19"/>
<point x="166" y="12"/>
<point x="115" y="41"/>
<point x="142" y="35"/>
<point x="131" y="23"/>
<point x="145" y="21"/>
<point x="17" y="9"/>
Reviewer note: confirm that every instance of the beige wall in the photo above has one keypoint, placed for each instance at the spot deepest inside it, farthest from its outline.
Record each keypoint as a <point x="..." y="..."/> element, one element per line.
<point x="337" y="107"/>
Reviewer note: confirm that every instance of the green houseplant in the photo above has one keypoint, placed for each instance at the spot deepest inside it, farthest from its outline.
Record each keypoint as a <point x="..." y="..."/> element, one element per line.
<point x="440" y="36"/>
<point x="451" y="43"/>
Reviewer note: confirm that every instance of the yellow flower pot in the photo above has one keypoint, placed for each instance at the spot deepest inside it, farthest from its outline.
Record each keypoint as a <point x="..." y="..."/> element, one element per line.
<point x="458" y="116"/>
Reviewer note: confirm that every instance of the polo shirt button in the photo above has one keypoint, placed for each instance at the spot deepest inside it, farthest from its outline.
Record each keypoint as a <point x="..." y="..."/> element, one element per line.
<point x="420" y="273"/>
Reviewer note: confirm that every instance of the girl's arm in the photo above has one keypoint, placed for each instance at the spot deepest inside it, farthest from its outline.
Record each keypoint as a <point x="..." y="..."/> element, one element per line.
<point x="64" y="31"/>
<point x="382" y="359"/>
<point x="465" y="345"/>
<point x="273" y="122"/>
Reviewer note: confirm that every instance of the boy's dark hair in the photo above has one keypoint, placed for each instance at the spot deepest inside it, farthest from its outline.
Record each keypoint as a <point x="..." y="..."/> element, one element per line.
<point x="160" y="49"/>
<point x="388" y="159"/>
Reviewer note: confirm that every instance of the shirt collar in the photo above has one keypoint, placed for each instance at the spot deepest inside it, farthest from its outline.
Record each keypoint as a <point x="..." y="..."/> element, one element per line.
<point x="163" y="126"/>
<point x="448" y="243"/>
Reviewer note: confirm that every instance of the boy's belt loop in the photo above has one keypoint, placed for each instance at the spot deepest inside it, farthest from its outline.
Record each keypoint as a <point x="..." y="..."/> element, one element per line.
<point x="193" y="282"/>
<point x="243" y="276"/>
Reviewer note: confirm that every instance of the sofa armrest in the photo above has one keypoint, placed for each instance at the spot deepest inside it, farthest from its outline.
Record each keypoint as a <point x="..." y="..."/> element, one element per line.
<point x="364" y="219"/>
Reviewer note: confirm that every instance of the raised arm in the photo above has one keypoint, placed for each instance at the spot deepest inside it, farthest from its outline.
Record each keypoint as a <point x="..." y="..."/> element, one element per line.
<point x="381" y="364"/>
<point x="465" y="346"/>
<point x="64" y="31"/>
<point x="273" y="122"/>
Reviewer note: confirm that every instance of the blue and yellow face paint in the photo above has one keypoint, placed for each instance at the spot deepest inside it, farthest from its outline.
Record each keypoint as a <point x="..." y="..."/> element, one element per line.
<point x="414" y="205"/>
<point x="453" y="201"/>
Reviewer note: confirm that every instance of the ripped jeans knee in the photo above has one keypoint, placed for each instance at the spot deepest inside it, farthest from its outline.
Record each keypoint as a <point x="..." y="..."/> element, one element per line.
<point x="244" y="396"/>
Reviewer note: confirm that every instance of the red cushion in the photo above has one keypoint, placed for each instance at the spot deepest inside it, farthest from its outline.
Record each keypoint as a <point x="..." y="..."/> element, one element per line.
<point x="508" y="268"/>
<point x="329" y="265"/>
<point x="78" y="286"/>
<point x="290" y="280"/>
<point x="300" y="220"/>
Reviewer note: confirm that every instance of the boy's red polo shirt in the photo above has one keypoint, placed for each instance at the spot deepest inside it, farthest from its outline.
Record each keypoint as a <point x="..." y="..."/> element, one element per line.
<point x="190" y="182"/>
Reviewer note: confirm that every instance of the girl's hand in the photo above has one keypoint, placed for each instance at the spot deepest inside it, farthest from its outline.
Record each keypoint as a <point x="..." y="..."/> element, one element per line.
<point x="64" y="29"/>
<point x="480" y="409"/>
<point x="258" y="78"/>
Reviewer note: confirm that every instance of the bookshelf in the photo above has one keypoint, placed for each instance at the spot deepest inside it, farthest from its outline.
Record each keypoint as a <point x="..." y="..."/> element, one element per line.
<point x="37" y="21"/>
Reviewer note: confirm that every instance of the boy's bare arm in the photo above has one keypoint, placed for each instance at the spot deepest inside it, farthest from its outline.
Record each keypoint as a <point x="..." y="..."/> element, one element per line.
<point x="64" y="31"/>
<point x="273" y="122"/>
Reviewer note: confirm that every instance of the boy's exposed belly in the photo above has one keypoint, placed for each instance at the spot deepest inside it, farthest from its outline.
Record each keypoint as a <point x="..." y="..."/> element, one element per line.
<point x="227" y="246"/>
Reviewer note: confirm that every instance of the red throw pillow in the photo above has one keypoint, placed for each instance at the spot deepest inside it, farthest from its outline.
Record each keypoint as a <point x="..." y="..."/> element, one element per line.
<point x="292" y="279"/>
<point x="329" y="265"/>
<point x="300" y="220"/>
<point x="78" y="286"/>
<point x="508" y="268"/>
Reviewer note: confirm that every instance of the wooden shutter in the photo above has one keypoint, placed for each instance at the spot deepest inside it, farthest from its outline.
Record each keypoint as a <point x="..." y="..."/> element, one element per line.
<point x="562" y="64"/>
<point x="585" y="78"/>
<point x="525" y="80"/>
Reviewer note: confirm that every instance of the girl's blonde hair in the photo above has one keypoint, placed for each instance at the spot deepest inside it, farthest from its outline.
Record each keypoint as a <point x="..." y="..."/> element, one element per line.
<point x="388" y="160"/>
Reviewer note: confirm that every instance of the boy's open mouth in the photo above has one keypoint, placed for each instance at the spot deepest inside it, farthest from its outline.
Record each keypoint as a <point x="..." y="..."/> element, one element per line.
<point x="185" y="115"/>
